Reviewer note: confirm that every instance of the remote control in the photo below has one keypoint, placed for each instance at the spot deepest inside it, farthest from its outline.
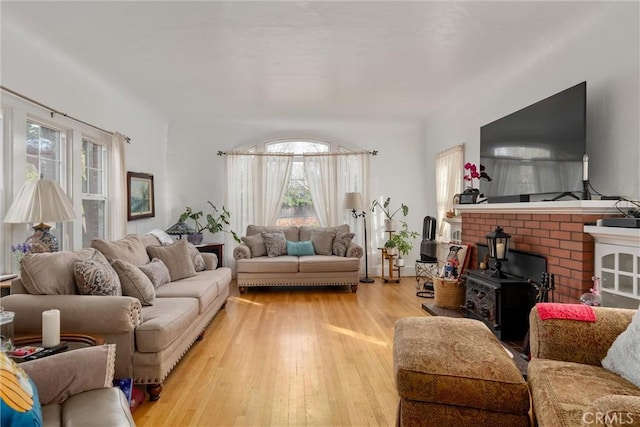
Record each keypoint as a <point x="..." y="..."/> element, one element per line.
<point x="48" y="351"/>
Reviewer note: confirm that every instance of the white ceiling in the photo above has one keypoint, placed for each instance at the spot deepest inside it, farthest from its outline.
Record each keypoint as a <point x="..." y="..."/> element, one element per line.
<point x="375" y="60"/>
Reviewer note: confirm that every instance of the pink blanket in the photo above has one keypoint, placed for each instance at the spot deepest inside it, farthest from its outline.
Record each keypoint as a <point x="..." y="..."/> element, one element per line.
<point x="583" y="313"/>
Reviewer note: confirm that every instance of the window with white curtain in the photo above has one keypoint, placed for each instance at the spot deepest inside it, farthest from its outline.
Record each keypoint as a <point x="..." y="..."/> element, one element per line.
<point x="94" y="194"/>
<point x="449" y="175"/>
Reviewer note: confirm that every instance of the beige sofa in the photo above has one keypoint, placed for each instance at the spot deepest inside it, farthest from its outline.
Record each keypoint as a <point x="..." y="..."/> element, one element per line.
<point x="331" y="264"/>
<point x="150" y="339"/>
<point x="569" y="386"/>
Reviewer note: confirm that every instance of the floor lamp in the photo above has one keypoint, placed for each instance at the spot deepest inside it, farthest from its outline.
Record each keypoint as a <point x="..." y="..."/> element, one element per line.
<point x="353" y="202"/>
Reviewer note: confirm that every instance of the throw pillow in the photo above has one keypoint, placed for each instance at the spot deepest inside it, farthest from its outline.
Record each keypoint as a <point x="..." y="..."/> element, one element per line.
<point x="52" y="273"/>
<point x="323" y="241"/>
<point x="19" y="400"/>
<point x="256" y="245"/>
<point x="130" y="248"/>
<point x="275" y="243"/>
<point x="341" y="243"/>
<point x="157" y="272"/>
<point x="623" y="356"/>
<point x="196" y="257"/>
<point x="134" y="282"/>
<point x="176" y="258"/>
<point x="95" y="277"/>
<point x="300" y="248"/>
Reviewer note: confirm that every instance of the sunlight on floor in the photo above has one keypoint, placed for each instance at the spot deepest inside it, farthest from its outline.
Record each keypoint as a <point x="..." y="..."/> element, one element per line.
<point x="244" y="301"/>
<point x="351" y="333"/>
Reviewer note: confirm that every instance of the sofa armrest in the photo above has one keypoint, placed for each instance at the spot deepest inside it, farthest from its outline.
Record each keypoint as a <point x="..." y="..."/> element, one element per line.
<point x="354" y="251"/>
<point x="576" y="341"/>
<point x="87" y="314"/>
<point x="241" y="251"/>
<point x="60" y="376"/>
<point x="210" y="260"/>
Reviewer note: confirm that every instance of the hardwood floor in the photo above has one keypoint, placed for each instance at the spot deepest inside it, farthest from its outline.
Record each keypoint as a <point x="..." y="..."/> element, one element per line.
<point x="291" y="357"/>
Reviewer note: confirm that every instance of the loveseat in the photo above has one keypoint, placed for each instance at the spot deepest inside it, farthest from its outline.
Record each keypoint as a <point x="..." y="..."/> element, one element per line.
<point x="298" y="256"/>
<point x="152" y="327"/>
<point x="569" y="385"/>
<point x="74" y="389"/>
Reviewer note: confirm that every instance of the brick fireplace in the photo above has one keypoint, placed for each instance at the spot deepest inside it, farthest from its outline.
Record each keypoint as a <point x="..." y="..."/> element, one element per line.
<point x="554" y="230"/>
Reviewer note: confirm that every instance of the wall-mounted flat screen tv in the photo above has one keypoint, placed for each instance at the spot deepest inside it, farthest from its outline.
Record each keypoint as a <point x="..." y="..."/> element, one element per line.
<point x="537" y="150"/>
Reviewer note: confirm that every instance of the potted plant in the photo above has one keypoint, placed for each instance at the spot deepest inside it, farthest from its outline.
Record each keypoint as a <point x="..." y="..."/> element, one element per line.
<point x="214" y="222"/>
<point x="389" y="224"/>
<point x="403" y="241"/>
<point x="390" y="247"/>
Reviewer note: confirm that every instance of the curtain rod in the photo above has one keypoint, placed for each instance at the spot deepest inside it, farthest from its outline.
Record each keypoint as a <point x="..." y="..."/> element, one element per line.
<point x="53" y="111"/>
<point x="239" y="153"/>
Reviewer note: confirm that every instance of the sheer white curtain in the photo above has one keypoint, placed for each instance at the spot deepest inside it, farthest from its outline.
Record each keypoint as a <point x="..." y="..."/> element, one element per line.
<point x="275" y="171"/>
<point x="240" y="197"/>
<point x="449" y="175"/>
<point x="117" y="182"/>
<point x="321" y="173"/>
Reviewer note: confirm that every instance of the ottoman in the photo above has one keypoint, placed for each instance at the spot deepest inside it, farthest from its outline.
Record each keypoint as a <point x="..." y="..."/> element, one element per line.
<point x="455" y="372"/>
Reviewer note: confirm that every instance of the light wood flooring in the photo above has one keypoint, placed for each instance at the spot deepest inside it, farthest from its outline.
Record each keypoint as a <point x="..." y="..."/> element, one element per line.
<point x="291" y="357"/>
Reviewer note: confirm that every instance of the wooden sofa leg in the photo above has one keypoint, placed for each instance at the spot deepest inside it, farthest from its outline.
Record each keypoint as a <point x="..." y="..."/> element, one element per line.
<point x="354" y="288"/>
<point x="154" y="391"/>
<point x="242" y="289"/>
<point x="200" y="337"/>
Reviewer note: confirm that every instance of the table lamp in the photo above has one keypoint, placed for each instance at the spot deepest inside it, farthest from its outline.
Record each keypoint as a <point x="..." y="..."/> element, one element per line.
<point x="353" y="202"/>
<point x="41" y="201"/>
<point x="180" y="228"/>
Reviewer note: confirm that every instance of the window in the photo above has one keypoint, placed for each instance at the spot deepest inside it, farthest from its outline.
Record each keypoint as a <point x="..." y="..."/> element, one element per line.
<point x="93" y="191"/>
<point x="297" y="207"/>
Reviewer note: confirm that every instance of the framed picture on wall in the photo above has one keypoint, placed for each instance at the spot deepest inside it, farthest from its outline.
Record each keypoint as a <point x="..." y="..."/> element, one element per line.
<point x="140" y="196"/>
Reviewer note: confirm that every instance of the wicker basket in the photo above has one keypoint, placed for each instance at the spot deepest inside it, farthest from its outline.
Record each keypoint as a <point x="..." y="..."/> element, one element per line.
<point x="448" y="293"/>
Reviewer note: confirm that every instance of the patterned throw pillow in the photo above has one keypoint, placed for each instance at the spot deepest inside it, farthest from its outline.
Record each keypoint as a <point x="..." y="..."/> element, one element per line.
<point x="256" y="245"/>
<point x="275" y="243"/>
<point x="96" y="277"/>
<point x="341" y="243"/>
<point x="157" y="272"/>
<point x="19" y="401"/>
<point x="134" y="282"/>
<point x="194" y="253"/>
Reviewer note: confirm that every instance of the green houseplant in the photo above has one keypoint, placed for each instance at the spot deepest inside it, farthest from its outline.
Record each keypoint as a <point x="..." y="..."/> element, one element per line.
<point x="213" y="222"/>
<point x="388" y="212"/>
<point x="403" y="239"/>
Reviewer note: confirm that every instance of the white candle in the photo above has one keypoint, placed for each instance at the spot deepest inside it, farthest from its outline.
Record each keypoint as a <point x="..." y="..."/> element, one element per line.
<point x="500" y="250"/>
<point x="50" y="328"/>
<point x="585" y="167"/>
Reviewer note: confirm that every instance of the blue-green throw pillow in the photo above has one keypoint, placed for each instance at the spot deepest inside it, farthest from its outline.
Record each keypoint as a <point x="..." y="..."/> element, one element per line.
<point x="300" y="248"/>
<point x="19" y="401"/>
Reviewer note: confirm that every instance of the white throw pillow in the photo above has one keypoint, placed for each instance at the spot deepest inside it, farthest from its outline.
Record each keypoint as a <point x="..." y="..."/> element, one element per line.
<point x="623" y="357"/>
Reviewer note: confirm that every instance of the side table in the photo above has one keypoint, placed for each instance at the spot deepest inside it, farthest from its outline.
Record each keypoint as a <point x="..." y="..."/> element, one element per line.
<point x="216" y="248"/>
<point x="73" y="341"/>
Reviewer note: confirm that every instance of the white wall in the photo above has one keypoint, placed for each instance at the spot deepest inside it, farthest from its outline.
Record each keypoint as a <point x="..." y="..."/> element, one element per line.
<point x="197" y="174"/>
<point x="603" y="50"/>
<point x="35" y="68"/>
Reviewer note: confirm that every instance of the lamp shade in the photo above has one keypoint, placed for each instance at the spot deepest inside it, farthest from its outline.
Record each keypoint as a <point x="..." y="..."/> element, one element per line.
<point x="40" y="201"/>
<point x="353" y="201"/>
<point x="180" y="228"/>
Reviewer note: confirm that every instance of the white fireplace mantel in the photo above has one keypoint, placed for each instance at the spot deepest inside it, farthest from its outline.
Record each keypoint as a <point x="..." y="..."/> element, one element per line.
<point x="583" y="207"/>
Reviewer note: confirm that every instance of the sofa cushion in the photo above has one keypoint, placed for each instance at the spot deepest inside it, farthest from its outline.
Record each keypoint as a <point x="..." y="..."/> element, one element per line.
<point x="177" y="259"/>
<point x="305" y="231"/>
<point x="95" y="277"/>
<point x="157" y="272"/>
<point x="323" y="241"/>
<point x="164" y="322"/>
<point x="52" y="273"/>
<point x="623" y="356"/>
<point x="275" y="243"/>
<point x="563" y="391"/>
<point x="341" y="243"/>
<point x="205" y="287"/>
<point x="325" y="263"/>
<point x="290" y="232"/>
<point x="281" y="264"/>
<point x="131" y="248"/>
<point x="104" y="406"/>
<point x="300" y="248"/>
<point x="134" y="282"/>
<point x="256" y="245"/>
